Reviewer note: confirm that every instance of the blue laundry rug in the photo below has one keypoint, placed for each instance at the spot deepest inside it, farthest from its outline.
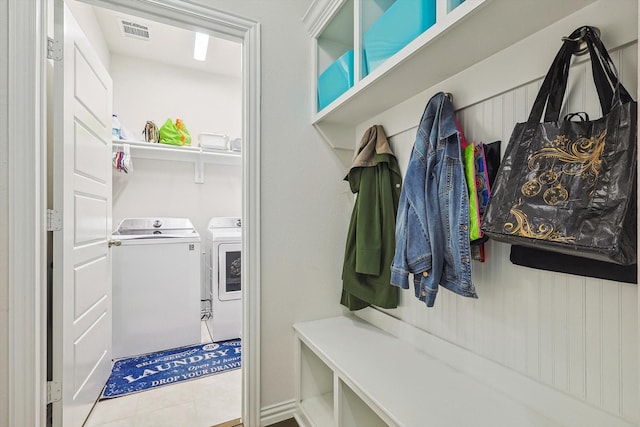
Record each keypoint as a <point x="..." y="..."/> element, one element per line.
<point x="171" y="366"/>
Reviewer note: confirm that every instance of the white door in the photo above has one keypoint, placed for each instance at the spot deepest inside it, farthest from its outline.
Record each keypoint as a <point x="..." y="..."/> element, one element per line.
<point x="82" y="108"/>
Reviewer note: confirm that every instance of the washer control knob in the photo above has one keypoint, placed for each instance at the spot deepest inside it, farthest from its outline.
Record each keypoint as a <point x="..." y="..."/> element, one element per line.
<point x="239" y="223"/>
<point x="157" y="223"/>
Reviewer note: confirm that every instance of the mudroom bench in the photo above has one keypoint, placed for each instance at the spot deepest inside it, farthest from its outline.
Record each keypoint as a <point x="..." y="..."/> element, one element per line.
<point x="353" y="372"/>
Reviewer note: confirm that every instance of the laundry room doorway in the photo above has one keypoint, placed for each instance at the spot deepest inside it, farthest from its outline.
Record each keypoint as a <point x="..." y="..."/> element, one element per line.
<point x="199" y="182"/>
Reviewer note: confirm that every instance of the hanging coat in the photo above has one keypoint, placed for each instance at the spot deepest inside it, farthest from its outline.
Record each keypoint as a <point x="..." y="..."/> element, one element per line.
<point x="432" y="241"/>
<point x="375" y="178"/>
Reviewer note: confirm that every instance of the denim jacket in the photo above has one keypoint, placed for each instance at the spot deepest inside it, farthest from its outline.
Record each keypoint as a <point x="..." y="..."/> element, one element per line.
<point x="432" y="225"/>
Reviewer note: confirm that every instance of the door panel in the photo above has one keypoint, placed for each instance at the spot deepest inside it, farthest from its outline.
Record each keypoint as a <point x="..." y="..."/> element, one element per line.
<point x="93" y="272"/>
<point x="89" y="352"/>
<point x="91" y="222"/>
<point x="90" y="152"/>
<point x="82" y="193"/>
<point x="90" y="89"/>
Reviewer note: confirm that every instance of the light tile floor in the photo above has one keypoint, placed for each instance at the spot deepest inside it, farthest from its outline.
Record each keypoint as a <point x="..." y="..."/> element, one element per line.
<point x="198" y="403"/>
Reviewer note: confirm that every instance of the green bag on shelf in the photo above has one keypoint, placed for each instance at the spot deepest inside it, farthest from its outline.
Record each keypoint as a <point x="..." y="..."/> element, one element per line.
<point x="174" y="133"/>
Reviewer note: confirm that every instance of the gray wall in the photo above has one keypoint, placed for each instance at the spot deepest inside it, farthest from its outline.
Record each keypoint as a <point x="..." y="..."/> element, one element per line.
<point x="4" y="231"/>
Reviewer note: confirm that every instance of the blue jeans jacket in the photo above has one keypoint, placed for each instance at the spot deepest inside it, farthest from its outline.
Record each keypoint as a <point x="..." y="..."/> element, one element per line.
<point x="432" y="225"/>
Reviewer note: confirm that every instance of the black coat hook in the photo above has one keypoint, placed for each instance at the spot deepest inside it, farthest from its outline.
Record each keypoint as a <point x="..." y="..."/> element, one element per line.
<point x="583" y="49"/>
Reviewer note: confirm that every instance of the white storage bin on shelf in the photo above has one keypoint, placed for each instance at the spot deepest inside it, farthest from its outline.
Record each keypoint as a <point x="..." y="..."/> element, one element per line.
<point x="214" y="141"/>
<point x="198" y="155"/>
<point x="235" y="144"/>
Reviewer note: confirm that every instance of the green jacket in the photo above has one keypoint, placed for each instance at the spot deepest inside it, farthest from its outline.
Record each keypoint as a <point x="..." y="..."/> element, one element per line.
<point x="370" y="244"/>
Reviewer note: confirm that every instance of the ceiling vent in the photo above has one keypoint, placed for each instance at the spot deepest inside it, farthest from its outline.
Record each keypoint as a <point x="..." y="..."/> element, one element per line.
<point x="134" y="30"/>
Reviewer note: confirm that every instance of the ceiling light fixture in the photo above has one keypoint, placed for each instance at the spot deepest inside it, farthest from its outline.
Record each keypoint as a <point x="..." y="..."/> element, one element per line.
<point x="200" y="46"/>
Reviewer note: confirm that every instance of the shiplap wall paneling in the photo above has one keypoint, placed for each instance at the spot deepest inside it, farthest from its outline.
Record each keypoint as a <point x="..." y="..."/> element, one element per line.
<point x="629" y="352"/>
<point x="576" y="334"/>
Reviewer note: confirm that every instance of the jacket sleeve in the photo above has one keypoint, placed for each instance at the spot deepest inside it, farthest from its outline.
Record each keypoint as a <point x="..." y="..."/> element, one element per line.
<point x="368" y="224"/>
<point x="400" y="265"/>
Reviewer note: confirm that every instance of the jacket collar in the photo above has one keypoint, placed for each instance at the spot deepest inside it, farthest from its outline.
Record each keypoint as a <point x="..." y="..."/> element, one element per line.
<point x="374" y="142"/>
<point x="447" y="124"/>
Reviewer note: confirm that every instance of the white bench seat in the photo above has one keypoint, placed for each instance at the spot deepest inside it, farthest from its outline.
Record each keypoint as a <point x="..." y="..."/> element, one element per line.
<point x="352" y="373"/>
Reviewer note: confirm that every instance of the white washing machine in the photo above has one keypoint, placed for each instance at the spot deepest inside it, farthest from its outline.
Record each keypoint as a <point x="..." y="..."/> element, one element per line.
<point x="224" y="247"/>
<point x="156" y="285"/>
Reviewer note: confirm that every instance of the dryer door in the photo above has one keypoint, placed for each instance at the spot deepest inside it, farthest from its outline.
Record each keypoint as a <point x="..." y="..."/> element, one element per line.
<point x="229" y="268"/>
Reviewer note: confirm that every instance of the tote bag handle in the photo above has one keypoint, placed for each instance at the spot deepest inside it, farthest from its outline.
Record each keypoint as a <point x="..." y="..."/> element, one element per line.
<point x="604" y="73"/>
<point x="551" y="93"/>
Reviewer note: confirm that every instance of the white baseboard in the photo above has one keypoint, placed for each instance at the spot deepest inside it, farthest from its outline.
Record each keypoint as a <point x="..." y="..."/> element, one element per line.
<point x="302" y="420"/>
<point x="278" y="412"/>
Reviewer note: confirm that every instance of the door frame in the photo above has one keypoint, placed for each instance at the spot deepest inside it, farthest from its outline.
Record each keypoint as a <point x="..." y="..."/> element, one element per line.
<point x="26" y="209"/>
<point x="27" y="190"/>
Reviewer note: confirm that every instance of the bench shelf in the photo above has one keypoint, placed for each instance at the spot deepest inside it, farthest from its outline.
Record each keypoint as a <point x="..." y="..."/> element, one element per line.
<point x="350" y="373"/>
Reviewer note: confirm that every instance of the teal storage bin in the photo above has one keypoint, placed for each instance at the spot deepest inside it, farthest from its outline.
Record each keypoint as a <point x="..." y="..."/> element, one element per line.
<point x="399" y="25"/>
<point x="335" y="80"/>
<point x="453" y="4"/>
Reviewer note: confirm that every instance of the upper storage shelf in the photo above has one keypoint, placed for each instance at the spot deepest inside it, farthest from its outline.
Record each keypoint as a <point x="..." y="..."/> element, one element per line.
<point x="146" y="150"/>
<point x="196" y="155"/>
<point x="463" y="34"/>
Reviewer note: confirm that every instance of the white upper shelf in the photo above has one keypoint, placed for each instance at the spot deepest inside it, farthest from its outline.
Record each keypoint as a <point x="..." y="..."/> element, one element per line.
<point x="147" y="150"/>
<point x="467" y="35"/>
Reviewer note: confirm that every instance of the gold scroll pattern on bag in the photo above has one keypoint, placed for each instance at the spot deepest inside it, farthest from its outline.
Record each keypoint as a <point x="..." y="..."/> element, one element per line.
<point x="522" y="227"/>
<point x="581" y="157"/>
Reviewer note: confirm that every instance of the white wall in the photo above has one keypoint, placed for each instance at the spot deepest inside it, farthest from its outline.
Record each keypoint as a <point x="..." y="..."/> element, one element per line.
<point x="575" y="334"/>
<point x="166" y="188"/>
<point x="305" y="206"/>
<point x="90" y="26"/>
<point x="146" y="90"/>
<point x="305" y="209"/>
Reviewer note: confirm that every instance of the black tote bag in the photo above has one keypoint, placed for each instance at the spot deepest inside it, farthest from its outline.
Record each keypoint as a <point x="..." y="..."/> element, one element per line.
<point x="562" y="263"/>
<point x="570" y="186"/>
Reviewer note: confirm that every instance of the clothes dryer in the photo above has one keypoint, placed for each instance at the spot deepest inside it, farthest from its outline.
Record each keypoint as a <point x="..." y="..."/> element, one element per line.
<point x="156" y="285"/>
<point x="224" y="255"/>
